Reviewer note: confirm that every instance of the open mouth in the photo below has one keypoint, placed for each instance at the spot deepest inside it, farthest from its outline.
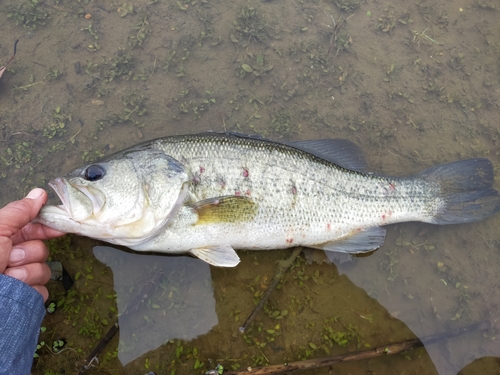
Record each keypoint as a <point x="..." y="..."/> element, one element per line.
<point x="59" y="187"/>
<point x="79" y="202"/>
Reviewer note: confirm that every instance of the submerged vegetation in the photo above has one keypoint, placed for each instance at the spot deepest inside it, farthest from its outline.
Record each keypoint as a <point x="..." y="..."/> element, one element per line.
<point x="29" y="14"/>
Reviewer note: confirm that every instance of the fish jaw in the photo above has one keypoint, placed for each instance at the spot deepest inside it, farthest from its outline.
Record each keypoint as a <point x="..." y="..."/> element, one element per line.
<point x="76" y="203"/>
<point x="57" y="217"/>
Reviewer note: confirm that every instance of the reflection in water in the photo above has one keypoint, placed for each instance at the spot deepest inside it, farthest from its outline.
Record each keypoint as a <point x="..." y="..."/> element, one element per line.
<point x="180" y="306"/>
<point x="429" y="289"/>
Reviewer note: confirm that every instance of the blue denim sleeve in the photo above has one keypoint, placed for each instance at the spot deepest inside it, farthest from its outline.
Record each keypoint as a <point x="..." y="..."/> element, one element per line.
<point x="21" y="314"/>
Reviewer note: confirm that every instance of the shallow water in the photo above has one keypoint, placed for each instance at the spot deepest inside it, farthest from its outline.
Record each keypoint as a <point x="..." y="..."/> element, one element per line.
<point x="413" y="83"/>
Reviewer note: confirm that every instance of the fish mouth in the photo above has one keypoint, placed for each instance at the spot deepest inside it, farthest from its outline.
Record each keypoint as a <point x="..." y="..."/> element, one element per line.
<point x="79" y="202"/>
<point x="59" y="187"/>
<point x="64" y="217"/>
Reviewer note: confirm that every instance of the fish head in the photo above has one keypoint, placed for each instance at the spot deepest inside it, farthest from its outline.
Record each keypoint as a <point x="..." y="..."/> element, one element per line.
<point x="124" y="200"/>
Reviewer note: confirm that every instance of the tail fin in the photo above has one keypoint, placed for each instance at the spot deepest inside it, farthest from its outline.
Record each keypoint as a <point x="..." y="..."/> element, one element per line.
<point x="467" y="190"/>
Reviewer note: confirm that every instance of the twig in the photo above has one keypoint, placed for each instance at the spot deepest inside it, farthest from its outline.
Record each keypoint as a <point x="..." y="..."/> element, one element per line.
<point x="284" y="266"/>
<point x="25" y="87"/>
<point x="98" y="349"/>
<point x="4" y="67"/>
<point x="251" y="117"/>
<point x="390" y="349"/>
<point x="73" y="137"/>
<point x="152" y="71"/>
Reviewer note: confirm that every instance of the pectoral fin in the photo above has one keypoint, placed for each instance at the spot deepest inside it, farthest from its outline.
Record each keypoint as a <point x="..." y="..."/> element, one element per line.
<point x="220" y="256"/>
<point x="228" y="209"/>
<point x="359" y="242"/>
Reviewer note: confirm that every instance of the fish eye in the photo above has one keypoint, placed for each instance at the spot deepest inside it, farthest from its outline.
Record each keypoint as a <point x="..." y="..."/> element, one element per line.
<point x="94" y="173"/>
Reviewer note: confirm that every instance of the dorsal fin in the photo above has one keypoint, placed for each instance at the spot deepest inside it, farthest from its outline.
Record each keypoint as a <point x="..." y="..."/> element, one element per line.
<point x="338" y="151"/>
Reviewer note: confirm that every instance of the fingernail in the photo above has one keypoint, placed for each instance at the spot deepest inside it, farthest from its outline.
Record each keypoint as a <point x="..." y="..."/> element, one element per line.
<point x="17" y="273"/>
<point x="35" y="193"/>
<point x="17" y="254"/>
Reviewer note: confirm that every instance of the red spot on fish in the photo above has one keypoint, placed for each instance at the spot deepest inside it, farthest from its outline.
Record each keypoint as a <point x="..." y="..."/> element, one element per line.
<point x="387" y="215"/>
<point x="328" y="226"/>
<point x="202" y="170"/>
<point x="245" y="172"/>
<point x="392" y="187"/>
<point x="294" y="190"/>
<point x="196" y="179"/>
<point x="247" y="193"/>
<point x="237" y="193"/>
<point x="289" y="241"/>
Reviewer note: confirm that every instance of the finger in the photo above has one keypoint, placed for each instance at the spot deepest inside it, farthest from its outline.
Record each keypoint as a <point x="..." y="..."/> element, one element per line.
<point x="5" y="247"/>
<point x="35" y="232"/>
<point x="43" y="291"/>
<point x="28" y="252"/>
<point x="17" y="214"/>
<point x="32" y="273"/>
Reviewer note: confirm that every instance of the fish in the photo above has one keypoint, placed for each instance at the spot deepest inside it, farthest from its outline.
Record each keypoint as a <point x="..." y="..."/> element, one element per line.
<point x="213" y="193"/>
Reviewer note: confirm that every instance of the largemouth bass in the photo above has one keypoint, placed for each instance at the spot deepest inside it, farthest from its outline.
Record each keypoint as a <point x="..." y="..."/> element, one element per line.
<point x="209" y="194"/>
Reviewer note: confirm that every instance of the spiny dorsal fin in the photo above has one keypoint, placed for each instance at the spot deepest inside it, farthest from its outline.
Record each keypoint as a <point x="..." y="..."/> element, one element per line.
<point x="225" y="209"/>
<point x="338" y="151"/>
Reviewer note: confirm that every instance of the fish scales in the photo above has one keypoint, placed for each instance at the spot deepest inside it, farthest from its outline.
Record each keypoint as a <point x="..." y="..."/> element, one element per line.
<point x="301" y="199"/>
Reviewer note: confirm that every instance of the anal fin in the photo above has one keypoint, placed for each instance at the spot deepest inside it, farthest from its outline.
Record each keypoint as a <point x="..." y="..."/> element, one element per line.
<point x="359" y="242"/>
<point x="220" y="256"/>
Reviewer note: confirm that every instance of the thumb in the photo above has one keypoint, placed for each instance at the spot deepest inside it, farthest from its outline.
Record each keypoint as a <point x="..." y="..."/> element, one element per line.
<point x="17" y="214"/>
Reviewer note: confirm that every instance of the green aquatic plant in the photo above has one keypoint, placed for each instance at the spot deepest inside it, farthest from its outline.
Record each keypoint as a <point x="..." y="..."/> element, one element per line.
<point x="57" y="126"/>
<point x="39" y="346"/>
<point x="175" y="59"/>
<point x="121" y="65"/>
<point x="92" y="155"/>
<point x="348" y="5"/>
<point x="249" y="26"/>
<point x="335" y="332"/>
<point x="141" y="30"/>
<point x="19" y="154"/>
<point x="388" y="21"/>
<point x="52" y="74"/>
<point x="257" y="68"/>
<point x="28" y="14"/>
<point x="282" y="124"/>
<point x="134" y="105"/>
<point x="91" y="31"/>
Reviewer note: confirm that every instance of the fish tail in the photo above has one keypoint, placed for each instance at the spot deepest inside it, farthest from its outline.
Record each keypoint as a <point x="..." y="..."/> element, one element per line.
<point x="466" y="188"/>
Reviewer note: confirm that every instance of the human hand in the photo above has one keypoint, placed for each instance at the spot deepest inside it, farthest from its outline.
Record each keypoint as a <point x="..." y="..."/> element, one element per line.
<point x="22" y="253"/>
